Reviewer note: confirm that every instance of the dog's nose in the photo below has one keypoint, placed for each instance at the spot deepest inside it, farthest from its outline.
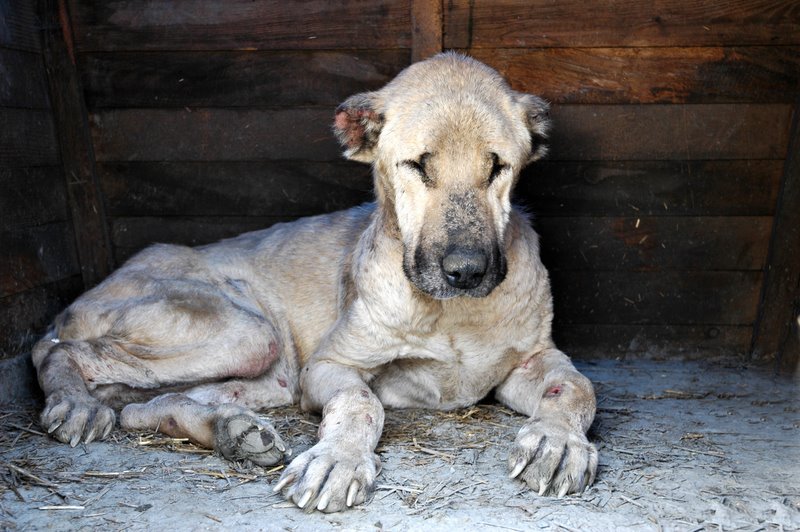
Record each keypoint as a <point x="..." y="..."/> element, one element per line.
<point x="464" y="268"/>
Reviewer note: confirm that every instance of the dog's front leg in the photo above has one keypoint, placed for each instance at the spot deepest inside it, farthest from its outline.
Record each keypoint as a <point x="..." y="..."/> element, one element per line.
<point x="551" y="452"/>
<point x="340" y="470"/>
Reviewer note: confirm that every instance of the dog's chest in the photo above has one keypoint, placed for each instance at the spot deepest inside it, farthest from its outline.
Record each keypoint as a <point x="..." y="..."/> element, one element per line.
<point x="444" y="370"/>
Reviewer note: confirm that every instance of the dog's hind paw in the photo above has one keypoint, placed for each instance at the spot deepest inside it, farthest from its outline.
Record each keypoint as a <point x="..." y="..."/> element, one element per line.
<point x="247" y="437"/>
<point x="75" y="418"/>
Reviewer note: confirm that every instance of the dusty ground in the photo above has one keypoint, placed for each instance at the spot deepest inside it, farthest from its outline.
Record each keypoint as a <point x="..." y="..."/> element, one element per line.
<point x="682" y="447"/>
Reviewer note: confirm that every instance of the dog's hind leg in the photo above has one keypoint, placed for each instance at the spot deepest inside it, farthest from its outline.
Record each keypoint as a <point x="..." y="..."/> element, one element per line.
<point x="149" y="333"/>
<point x="235" y="431"/>
<point x="221" y="415"/>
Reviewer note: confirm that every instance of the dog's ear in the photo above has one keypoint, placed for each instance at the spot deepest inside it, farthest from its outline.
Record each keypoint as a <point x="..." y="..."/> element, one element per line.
<point x="357" y="126"/>
<point x="537" y="118"/>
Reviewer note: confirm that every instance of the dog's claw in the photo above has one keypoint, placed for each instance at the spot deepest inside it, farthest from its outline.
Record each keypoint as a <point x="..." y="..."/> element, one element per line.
<point x="323" y="502"/>
<point x="282" y="483"/>
<point x="543" y="488"/>
<point x="351" y="493"/>
<point x="305" y="498"/>
<point x="518" y="467"/>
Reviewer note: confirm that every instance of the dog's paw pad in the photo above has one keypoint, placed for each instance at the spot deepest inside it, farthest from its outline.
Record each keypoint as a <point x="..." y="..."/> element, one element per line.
<point x="247" y="437"/>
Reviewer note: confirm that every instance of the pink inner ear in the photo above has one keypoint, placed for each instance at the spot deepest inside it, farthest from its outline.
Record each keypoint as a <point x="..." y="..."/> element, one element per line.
<point x="342" y="120"/>
<point x="349" y="123"/>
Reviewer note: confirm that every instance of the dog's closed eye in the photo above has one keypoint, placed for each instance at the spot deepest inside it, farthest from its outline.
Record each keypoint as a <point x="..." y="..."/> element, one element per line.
<point x="497" y="168"/>
<point x="420" y="167"/>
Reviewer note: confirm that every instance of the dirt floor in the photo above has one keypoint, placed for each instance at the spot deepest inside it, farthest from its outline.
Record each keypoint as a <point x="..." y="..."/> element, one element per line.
<point x="683" y="446"/>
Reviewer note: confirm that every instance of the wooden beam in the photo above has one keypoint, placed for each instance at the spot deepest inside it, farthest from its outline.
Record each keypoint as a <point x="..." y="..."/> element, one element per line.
<point x="77" y="155"/>
<point x="780" y="300"/>
<point x="426" y="34"/>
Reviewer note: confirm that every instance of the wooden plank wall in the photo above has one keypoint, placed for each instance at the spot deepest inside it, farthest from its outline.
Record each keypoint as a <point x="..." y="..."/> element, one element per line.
<point x="209" y="121"/>
<point x="39" y="268"/>
<point x="656" y="206"/>
<point x="672" y="122"/>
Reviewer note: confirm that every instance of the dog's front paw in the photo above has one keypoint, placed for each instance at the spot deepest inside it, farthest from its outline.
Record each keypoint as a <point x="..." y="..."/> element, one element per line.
<point x="553" y="458"/>
<point x="72" y="418"/>
<point x="330" y="478"/>
<point x="248" y="437"/>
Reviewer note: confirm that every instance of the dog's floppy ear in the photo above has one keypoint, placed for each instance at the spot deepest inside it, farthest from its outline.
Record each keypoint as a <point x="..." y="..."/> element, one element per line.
<point x="357" y="126"/>
<point x="537" y="118"/>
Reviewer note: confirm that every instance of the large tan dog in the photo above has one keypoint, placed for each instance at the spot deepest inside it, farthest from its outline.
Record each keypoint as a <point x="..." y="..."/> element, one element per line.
<point x="430" y="297"/>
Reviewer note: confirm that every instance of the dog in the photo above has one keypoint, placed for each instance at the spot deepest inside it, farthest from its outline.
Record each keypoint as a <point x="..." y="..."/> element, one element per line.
<point x="432" y="296"/>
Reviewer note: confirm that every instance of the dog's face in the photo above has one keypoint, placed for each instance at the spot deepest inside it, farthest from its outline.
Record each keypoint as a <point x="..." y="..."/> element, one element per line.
<point x="447" y="139"/>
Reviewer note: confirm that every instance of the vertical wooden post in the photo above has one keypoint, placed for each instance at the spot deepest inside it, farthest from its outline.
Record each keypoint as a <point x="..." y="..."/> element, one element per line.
<point x="426" y="27"/>
<point x="780" y="300"/>
<point x="77" y="154"/>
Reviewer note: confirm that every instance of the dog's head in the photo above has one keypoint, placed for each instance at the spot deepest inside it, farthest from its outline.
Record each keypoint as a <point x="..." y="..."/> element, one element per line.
<point x="447" y="139"/>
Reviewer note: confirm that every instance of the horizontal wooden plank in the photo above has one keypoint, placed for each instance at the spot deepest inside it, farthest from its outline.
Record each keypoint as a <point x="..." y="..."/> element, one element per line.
<point x="655" y="243"/>
<point x="34" y="256"/>
<point x="663" y="342"/>
<point x="234" y="79"/>
<point x="650" y="298"/>
<point x="31" y="196"/>
<point x="634" y="188"/>
<point x="26" y="315"/>
<point x="581" y="133"/>
<point x="283" y="188"/>
<point x="264" y="188"/>
<point x="562" y="75"/>
<point x="19" y="25"/>
<point x="213" y="135"/>
<point x="27" y="138"/>
<point x="240" y="24"/>
<point x="670" y="132"/>
<point x="568" y="23"/>
<point x="764" y="74"/>
<point x="22" y="81"/>
<point x="132" y="234"/>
